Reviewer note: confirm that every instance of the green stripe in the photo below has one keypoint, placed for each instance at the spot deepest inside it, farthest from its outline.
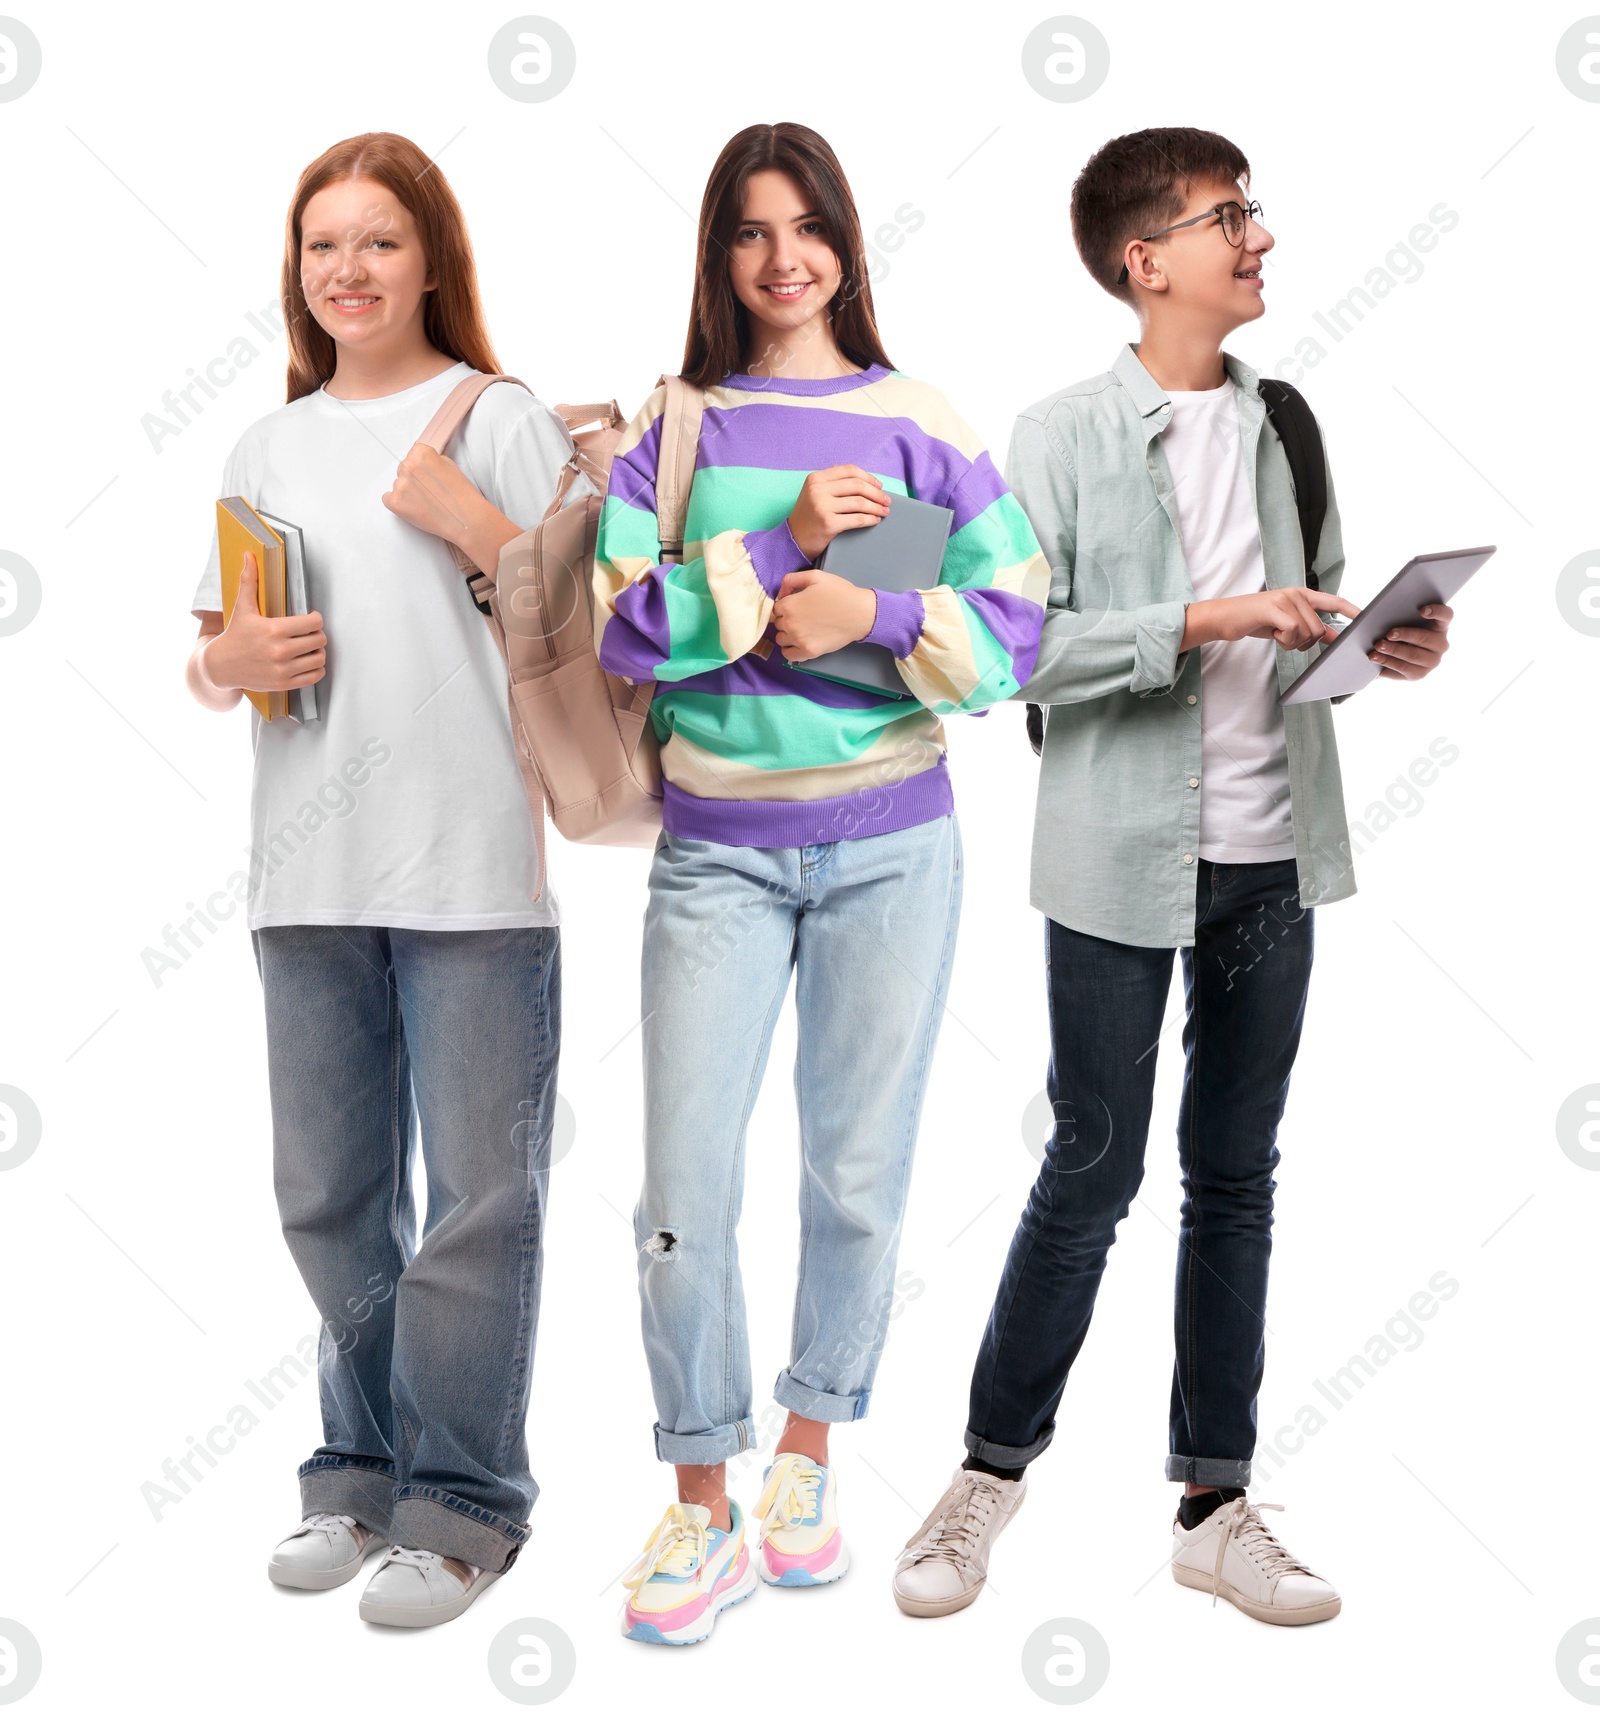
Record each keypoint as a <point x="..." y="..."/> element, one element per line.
<point x="751" y="498"/>
<point x="775" y="732"/>
<point x="626" y="531"/>
<point x="997" y="538"/>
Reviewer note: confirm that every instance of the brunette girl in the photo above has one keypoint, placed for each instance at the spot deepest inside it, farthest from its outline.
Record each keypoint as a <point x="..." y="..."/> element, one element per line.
<point x="809" y="827"/>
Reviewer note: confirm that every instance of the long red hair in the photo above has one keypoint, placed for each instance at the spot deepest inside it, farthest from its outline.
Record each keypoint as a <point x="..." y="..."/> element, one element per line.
<point x="452" y="313"/>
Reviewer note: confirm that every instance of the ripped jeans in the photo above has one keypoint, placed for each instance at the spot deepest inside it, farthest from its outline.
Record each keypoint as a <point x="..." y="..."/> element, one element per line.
<point x="868" y="925"/>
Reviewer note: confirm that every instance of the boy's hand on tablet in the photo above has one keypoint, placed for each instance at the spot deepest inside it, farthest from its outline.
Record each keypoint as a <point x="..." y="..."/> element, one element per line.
<point x="1287" y="614"/>
<point x="1409" y="654"/>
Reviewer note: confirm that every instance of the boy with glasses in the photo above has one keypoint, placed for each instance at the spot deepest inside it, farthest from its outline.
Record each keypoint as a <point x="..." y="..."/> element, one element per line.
<point x="1179" y="807"/>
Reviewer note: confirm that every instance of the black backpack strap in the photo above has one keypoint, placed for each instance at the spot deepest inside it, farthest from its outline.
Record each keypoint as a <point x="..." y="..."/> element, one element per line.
<point x="1301" y="437"/>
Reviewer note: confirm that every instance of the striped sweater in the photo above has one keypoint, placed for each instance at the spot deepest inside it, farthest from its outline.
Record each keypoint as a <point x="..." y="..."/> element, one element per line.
<point x="757" y="752"/>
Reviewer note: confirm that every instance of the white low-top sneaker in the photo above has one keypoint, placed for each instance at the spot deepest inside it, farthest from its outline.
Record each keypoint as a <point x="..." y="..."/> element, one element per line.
<point x="323" y="1550"/>
<point x="1232" y="1554"/>
<point x="414" y="1587"/>
<point x="946" y="1563"/>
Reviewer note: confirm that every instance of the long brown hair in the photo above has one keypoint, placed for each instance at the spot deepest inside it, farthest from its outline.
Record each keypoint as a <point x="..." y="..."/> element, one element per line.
<point x="719" y="325"/>
<point x="452" y="312"/>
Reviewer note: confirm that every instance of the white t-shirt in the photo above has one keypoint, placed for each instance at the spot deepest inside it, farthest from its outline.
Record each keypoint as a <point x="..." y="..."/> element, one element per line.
<point x="1244" y="762"/>
<point x="403" y="805"/>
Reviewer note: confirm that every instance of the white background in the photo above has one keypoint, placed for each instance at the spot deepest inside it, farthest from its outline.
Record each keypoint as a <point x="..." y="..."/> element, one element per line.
<point x="142" y="1272"/>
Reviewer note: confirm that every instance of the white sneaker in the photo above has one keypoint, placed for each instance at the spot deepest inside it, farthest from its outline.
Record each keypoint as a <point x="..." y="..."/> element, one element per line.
<point x="1232" y="1554"/>
<point x="946" y="1563"/>
<point x="324" y="1550"/>
<point x="414" y="1587"/>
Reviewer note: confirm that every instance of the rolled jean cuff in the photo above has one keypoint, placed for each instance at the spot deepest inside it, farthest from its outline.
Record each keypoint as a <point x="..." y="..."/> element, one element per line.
<point x="361" y="1488"/>
<point x="444" y="1524"/>
<point x="1208" y="1473"/>
<point x="820" y="1407"/>
<point x="1008" y="1458"/>
<point x="710" y="1447"/>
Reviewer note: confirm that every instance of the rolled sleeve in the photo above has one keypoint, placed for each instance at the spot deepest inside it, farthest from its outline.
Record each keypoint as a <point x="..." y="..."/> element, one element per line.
<point x="1158" y="633"/>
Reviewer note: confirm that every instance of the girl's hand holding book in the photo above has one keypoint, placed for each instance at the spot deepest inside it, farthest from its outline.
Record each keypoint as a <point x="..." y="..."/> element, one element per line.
<point x="837" y="499"/>
<point x="268" y="654"/>
<point x="818" y="612"/>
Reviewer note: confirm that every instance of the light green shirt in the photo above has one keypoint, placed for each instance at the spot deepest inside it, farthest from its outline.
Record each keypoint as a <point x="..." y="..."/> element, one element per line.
<point x="1116" y="836"/>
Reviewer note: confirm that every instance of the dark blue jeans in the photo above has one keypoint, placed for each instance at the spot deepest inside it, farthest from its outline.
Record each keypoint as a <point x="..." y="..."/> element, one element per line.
<point x="1245" y="981"/>
<point x="376" y="1035"/>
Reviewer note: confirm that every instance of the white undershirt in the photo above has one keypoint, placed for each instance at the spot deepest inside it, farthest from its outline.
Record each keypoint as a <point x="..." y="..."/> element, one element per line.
<point x="402" y="806"/>
<point x="1244" y="763"/>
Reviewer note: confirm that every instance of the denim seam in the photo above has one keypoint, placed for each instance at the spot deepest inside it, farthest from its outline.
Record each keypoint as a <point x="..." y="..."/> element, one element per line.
<point x="531" y="1231"/>
<point x="1189" y="1398"/>
<point x="914" y="1114"/>
<point x="730" y="1217"/>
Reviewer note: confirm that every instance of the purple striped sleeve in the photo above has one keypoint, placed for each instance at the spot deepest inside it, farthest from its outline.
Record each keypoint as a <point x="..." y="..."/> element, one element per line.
<point x="898" y="624"/>
<point x="774" y="553"/>
<point x="1014" y="621"/>
<point x="638" y="637"/>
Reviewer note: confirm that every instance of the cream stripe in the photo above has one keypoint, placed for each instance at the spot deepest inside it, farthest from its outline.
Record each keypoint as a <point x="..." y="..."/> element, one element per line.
<point x="639" y="425"/>
<point x="941" y="667"/>
<point x="1029" y="579"/>
<point x="743" y="607"/>
<point x="907" y="747"/>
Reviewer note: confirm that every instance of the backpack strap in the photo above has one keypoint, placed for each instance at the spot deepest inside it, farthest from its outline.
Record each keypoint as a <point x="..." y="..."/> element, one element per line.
<point x="436" y="434"/>
<point x="1301" y="437"/>
<point x="681" y="416"/>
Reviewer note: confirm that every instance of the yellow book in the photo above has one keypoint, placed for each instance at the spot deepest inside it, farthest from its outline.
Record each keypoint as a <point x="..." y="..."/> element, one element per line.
<point x="240" y="528"/>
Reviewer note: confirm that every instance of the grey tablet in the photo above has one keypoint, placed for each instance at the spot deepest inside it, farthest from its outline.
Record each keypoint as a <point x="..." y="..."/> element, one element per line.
<point x="1344" y="667"/>
<point x="903" y="552"/>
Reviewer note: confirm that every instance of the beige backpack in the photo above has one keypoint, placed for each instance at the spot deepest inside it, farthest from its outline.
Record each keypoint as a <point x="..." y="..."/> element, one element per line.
<point x="584" y="742"/>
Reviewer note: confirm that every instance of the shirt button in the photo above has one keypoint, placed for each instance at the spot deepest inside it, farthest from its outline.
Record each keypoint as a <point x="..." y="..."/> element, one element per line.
<point x="1188" y="860"/>
<point x="1194" y="782"/>
<point x="1191" y="699"/>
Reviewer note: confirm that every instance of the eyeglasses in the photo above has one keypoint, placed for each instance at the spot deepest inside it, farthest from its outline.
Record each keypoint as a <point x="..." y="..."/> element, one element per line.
<point x="1235" y="218"/>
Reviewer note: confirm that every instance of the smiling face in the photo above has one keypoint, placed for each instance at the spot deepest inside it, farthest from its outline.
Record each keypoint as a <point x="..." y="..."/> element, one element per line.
<point x="1197" y="268"/>
<point x="362" y="266"/>
<point x="783" y="269"/>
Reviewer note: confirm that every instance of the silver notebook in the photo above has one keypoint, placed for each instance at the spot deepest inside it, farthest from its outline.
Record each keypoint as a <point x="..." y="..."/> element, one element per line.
<point x="903" y="552"/>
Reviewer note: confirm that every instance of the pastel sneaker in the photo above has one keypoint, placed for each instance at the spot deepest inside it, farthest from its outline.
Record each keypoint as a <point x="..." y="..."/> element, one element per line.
<point x="689" y="1572"/>
<point x="323" y="1550"/>
<point x="1232" y="1554"/>
<point x="415" y="1587"/>
<point x="800" y="1539"/>
<point x="946" y="1562"/>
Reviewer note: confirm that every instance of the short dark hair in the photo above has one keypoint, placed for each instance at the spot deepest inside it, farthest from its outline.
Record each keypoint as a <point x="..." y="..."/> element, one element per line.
<point x="1139" y="183"/>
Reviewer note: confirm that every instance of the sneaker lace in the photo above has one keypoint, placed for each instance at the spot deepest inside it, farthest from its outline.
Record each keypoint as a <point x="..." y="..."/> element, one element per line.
<point x="327" y="1522"/>
<point x="953" y="1530"/>
<point x="790" y="1495"/>
<point x="677" y="1546"/>
<point x="422" y="1559"/>
<point x="1241" y="1522"/>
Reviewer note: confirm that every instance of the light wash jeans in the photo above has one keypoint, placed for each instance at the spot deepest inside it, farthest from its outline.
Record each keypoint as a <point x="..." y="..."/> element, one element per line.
<point x="869" y="924"/>
<point x="425" y="1353"/>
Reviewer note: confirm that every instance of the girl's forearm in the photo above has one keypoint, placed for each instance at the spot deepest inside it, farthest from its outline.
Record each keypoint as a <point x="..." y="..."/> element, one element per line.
<point x="489" y="532"/>
<point x="206" y="691"/>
